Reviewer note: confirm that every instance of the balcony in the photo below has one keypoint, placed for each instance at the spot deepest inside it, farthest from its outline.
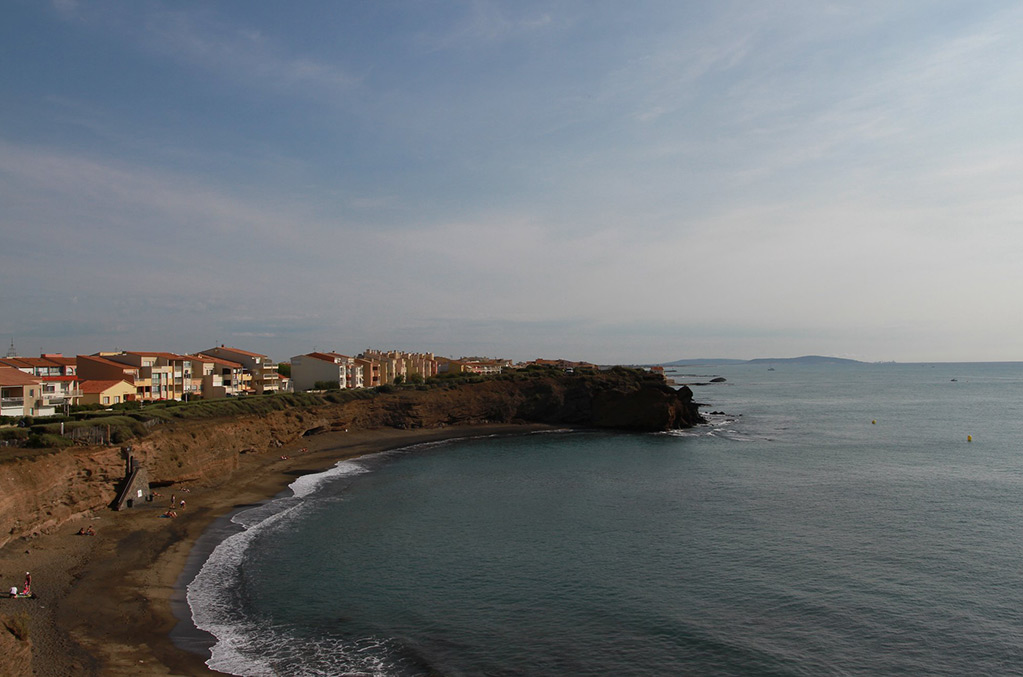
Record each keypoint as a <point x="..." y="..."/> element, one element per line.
<point x="12" y="406"/>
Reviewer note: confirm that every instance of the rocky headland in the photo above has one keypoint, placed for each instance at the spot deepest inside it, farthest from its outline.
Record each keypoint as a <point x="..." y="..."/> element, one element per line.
<point x="43" y="491"/>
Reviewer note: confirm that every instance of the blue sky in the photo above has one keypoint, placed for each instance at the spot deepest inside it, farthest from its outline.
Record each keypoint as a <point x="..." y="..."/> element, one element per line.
<point x="610" y="181"/>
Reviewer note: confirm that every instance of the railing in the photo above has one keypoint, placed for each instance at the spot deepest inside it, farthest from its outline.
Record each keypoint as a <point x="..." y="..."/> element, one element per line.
<point x="12" y="402"/>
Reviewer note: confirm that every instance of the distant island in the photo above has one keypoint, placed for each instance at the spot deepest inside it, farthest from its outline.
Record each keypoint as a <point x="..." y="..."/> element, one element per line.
<point x="805" y="359"/>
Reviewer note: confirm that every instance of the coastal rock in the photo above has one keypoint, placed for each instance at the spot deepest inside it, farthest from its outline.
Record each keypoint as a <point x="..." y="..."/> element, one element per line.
<point x="41" y="490"/>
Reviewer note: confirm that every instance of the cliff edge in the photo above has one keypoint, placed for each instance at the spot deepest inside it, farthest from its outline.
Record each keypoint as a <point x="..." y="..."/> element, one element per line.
<point x="40" y="490"/>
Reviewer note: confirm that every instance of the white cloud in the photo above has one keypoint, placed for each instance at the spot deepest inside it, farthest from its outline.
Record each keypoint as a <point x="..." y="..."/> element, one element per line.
<point x="485" y="23"/>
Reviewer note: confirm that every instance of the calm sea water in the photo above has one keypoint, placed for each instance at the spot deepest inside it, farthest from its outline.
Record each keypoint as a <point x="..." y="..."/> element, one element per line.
<point x="791" y="536"/>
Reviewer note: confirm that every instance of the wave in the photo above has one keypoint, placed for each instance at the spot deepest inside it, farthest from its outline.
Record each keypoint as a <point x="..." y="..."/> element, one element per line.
<point x="215" y="596"/>
<point x="722" y="426"/>
<point x="247" y="646"/>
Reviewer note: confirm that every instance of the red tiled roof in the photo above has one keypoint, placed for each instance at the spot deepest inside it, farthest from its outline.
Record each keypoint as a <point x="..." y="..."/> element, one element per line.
<point x="166" y="356"/>
<point x="327" y="357"/>
<point x="9" y="376"/>
<point x="38" y="362"/>
<point x="219" y="360"/>
<point x="59" y="378"/>
<point x="94" y="387"/>
<point x="112" y="363"/>
<point x="239" y="351"/>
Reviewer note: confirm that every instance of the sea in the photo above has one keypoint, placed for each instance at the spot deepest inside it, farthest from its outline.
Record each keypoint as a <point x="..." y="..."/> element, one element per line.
<point x="836" y="519"/>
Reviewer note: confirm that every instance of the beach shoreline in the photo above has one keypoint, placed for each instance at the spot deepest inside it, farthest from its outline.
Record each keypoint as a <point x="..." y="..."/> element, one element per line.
<point x="107" y="603"/>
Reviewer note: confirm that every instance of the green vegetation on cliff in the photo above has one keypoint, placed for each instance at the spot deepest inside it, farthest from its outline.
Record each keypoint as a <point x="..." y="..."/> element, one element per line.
<point x="621" y="398"/>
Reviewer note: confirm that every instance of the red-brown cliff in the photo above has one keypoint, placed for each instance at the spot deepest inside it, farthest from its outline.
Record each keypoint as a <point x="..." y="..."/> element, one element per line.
<point x="41" y="490"/>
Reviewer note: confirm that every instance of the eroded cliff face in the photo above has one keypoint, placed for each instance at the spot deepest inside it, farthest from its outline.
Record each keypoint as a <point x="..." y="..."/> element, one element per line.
<point x="15" y="651"/>
<point x="42" y="492"/>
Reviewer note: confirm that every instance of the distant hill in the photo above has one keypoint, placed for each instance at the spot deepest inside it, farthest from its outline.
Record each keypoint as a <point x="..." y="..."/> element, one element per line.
<point x="702" y="361"/>
<point x="806" y="359"/>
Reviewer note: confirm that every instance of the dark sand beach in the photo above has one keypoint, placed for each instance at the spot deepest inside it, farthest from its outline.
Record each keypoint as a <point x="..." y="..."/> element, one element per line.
<point x="104" y="602"/>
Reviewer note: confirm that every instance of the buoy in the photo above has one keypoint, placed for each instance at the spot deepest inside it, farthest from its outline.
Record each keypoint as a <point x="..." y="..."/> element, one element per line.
<point x="969" y="438"/>
<point x="874" y="422"/>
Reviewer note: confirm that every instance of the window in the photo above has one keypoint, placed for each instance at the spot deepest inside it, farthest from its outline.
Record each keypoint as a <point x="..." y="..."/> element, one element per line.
<point x="106" y="399"/>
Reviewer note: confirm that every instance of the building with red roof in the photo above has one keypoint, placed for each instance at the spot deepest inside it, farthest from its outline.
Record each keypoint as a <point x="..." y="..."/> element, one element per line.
<point x="21" y="394"/>
<point x="262" y="371"/>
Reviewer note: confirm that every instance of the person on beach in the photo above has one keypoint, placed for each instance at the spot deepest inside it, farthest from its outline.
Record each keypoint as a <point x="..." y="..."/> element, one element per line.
<point x="182" y="504"/>
<point x="28" y="584"/>
<point x="14" y="591"/>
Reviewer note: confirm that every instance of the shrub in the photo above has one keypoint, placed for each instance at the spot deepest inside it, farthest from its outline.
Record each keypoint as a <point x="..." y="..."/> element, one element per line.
<point x="13" y="434"/>
<point x="45" y="441"/>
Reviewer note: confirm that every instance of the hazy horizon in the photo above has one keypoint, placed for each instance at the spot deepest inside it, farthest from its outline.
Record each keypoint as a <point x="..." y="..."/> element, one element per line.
<point x="587" y="180"/>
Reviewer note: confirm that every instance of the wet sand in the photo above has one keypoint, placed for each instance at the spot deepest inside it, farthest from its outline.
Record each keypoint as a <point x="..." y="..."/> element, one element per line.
<point x="104" y="603"/>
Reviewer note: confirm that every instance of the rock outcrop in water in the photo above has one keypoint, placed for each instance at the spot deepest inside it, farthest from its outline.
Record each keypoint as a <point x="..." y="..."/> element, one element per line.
<point x="40" y="490"/>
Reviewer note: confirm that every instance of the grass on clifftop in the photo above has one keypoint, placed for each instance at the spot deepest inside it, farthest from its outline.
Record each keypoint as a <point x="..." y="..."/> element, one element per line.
<point x="95" y="425"/>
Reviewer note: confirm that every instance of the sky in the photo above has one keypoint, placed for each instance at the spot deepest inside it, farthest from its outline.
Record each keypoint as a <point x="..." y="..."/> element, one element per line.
<point x="592" y="180"/>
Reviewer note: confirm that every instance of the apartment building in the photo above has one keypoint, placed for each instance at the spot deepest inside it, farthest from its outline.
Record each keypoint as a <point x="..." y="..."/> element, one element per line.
<point x="395" y="363"/>
<point x="370" y="370"/>
<point x="21" y="394"/>
<point x="101" y="368"/>
<point x="214" y="378"/>
<point x="471" y="365"/>
<point x="58" y="373"/>
<point x="170" y="374"/>
<point x="488" y="367"/>
<point x="262" y="371"/>
<point x="156" y="376"/>
<point x="107" y="393"/>
<point x="318" y="368"/>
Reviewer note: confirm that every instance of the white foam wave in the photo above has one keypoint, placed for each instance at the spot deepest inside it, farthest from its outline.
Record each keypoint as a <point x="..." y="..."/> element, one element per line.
<point x="307" y="484"/>
<point x="214" y="594"/>
<point x="722" y="426"/>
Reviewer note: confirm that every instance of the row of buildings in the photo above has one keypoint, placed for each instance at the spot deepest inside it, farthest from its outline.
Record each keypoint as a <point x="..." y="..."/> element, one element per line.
<point x="373" y="368"/>
<point x="50" y="383"/>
